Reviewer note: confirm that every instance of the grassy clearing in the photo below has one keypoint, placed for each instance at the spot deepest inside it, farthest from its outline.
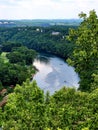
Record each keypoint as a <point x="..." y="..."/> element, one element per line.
<point x="3" y="57"/>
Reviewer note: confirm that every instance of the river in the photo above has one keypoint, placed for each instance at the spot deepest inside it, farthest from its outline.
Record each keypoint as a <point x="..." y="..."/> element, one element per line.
<point x="54" y="73"/>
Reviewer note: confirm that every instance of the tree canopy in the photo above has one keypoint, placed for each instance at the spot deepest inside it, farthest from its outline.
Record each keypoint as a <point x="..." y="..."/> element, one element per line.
<point x="16" y="66"/>
<point x="43" y="39"/>
<point x="22" y="55"/>
<point x="29" y="108"/>
<point x="85" y="54"/>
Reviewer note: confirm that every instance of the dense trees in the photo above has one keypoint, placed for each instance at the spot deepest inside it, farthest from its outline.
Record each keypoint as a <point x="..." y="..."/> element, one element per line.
<point x="68" y="109"/>
<point x="38" y="38"/>
<point x="12" y="74"/>
<point x="25" y="108"/>
<point x="85" y="54"/>
<point x="22" y="55"/>
<point x="7" y="47"/>
<point x="14" y="69"/>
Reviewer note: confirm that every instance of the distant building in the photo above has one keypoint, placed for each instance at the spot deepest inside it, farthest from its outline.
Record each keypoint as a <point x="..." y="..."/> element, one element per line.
<point x="19" y="29"/>
<point x="41" y="30"/>
<point x="37" y="30"/>
<point x="63" y="37"/>
<point x="55" y="33"/>
<point x="11" y="22"/>
<point x="5" y="22"/>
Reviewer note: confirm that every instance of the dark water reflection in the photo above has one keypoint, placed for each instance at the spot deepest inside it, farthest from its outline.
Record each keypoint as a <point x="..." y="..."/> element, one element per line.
<point x="54" y="73"/>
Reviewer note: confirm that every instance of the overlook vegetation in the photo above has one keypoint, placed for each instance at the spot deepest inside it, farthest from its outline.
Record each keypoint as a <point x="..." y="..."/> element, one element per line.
<point x="49" y="39"/>
<point x="85" y="54"/>
<point x="14" y="67"/>
<point x="28" y="108"/>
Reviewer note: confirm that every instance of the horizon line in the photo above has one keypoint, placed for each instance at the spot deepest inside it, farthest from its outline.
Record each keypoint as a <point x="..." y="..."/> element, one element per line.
<point x="44" y="19"/>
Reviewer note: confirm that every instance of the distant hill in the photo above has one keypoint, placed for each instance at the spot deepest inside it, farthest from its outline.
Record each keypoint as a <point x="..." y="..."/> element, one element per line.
<point x="39" y="22"/>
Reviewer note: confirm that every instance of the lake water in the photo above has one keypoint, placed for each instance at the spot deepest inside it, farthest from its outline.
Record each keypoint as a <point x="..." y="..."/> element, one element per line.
<point x="54" y="73"/>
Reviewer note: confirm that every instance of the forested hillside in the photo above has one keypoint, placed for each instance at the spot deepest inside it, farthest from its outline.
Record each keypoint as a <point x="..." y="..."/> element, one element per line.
<point x="39" y="22"/>
<point x="27" y="107"/>
<point x="50" y="39"/>
<point x="15" y="67"/>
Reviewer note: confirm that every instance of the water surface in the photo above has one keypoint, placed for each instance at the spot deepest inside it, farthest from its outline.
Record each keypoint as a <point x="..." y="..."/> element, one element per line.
<point x="54" y="73"/>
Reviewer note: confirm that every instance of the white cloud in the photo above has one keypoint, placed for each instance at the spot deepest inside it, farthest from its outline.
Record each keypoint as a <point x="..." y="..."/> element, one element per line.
<point x="29" y="9"/>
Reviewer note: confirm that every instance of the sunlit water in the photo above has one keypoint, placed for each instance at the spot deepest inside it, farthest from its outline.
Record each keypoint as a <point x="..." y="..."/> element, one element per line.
<point x="54" y="73"/>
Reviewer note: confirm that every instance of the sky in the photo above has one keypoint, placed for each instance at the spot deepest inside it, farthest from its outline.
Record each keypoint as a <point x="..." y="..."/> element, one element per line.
<point x="45" y="9"/>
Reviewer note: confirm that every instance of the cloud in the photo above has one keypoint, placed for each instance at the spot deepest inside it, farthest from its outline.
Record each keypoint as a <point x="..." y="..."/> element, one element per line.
<point x="30" y="9"/>
<point x="6" y="2"/>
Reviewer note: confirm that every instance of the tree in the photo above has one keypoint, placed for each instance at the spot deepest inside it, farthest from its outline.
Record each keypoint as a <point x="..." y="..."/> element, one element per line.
<point x="85" y="54"/>
<point x="12" y="74"/>
<point x="7" y="47"/>
<point x="1" y="87"/>
<point x="28" y="108"/>
<point x="22" y="55"/>
<point x="25" y="108"/>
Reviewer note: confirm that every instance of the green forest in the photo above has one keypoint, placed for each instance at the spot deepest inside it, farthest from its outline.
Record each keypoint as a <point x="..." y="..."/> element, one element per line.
<point x="23" y="105"/>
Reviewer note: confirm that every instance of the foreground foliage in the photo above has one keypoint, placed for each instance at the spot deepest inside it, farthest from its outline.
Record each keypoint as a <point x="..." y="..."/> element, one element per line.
<point x="28" y="108"/>
<point x="85" y="54"/>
